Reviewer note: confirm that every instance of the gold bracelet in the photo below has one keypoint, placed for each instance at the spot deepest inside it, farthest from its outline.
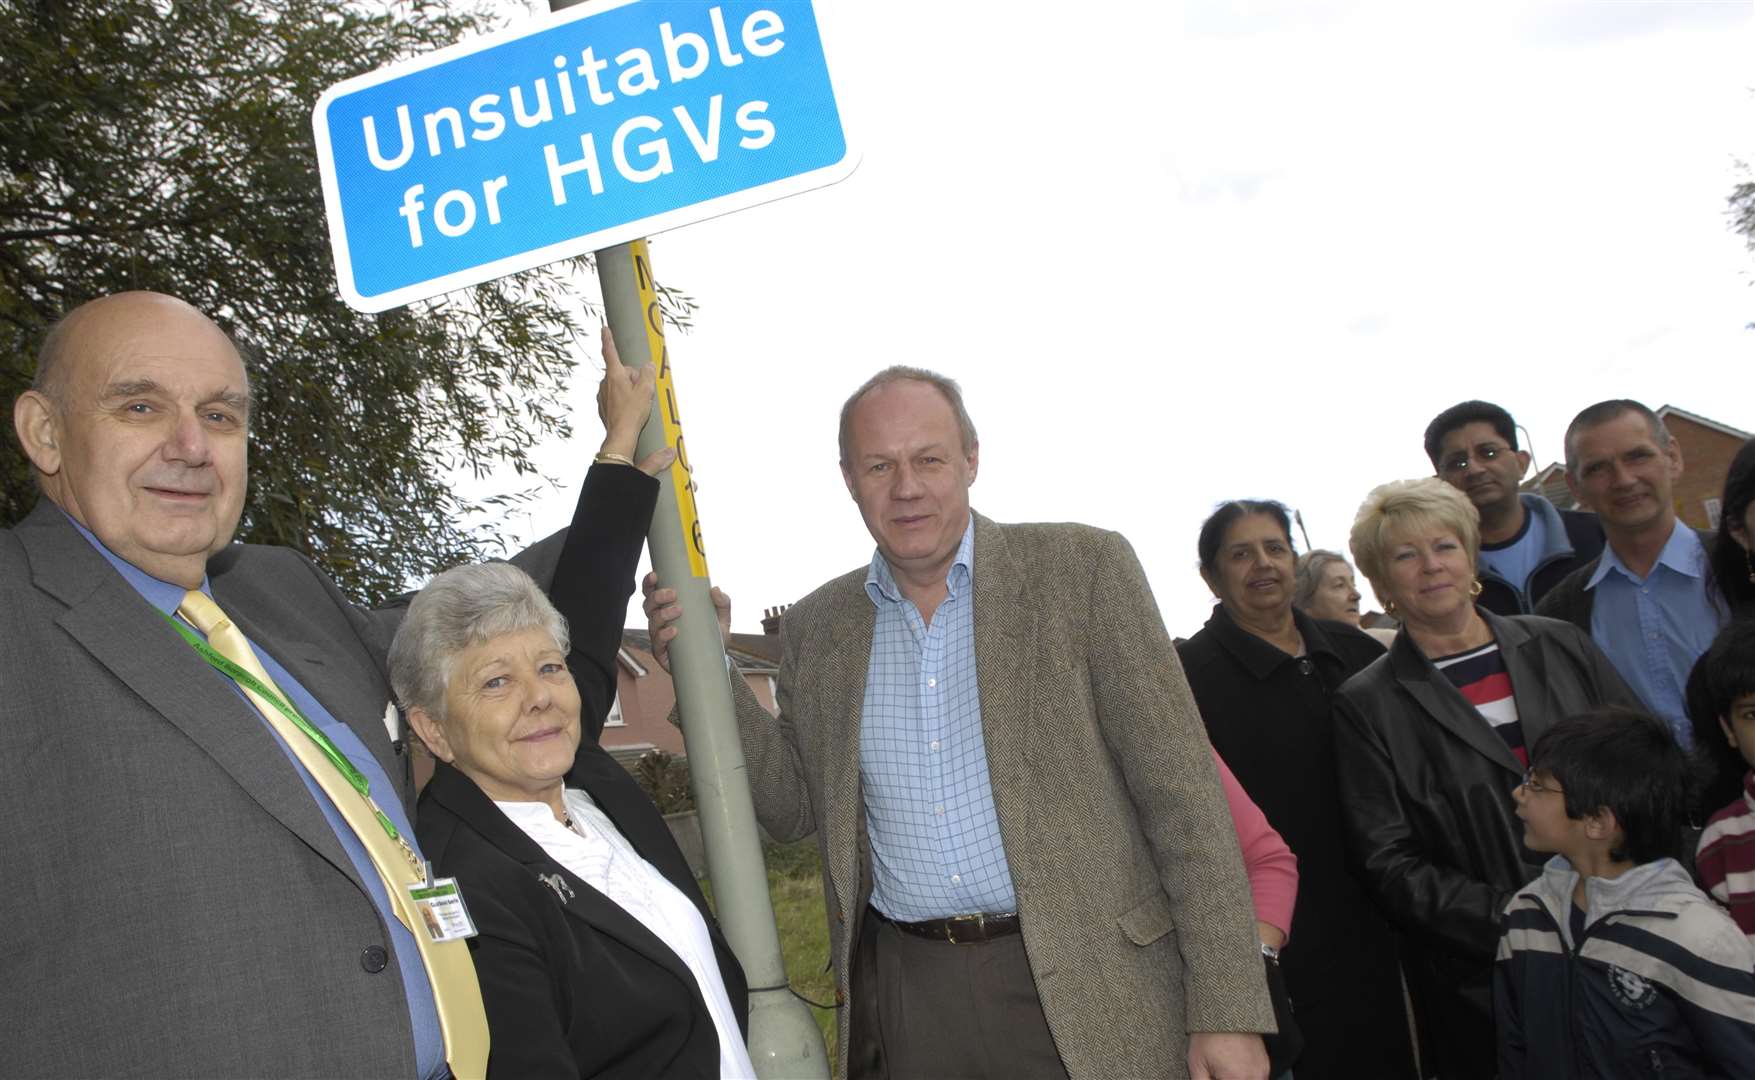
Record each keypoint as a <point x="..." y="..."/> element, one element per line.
<point x="605" y="457"/>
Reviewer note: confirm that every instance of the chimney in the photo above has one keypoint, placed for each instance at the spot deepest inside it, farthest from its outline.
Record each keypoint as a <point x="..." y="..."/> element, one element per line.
<point x="771" y="620"/>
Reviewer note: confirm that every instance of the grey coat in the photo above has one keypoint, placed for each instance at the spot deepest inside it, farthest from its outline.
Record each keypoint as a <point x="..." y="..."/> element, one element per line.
<point x="1135" y="910"/>
<point x="174" y="901"/>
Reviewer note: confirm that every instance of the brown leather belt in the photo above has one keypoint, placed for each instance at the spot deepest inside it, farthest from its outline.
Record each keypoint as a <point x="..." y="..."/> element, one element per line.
<point x="958" y="929"/>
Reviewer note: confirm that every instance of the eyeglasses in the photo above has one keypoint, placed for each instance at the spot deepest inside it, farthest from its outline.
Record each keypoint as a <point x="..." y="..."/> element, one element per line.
<point x="1459" y="462"/>
<point x="1536" y="787"/>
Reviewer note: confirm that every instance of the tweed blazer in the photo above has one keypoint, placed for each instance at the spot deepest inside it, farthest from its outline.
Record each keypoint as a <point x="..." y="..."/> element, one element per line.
<point x="1135" y="909"/>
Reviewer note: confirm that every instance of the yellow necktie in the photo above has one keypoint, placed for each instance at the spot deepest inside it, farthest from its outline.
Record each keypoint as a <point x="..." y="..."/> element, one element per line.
<point x="456" y="994"/>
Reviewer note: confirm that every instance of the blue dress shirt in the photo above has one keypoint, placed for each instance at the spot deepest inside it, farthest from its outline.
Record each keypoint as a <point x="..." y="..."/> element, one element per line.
<point x="429" y="1043"/>
<point x="935" y="844"/>
<point x="1654" y="628"/>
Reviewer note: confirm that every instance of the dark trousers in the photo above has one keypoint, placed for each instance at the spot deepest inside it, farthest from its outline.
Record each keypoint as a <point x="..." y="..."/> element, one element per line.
<point x="930" y="1009"/>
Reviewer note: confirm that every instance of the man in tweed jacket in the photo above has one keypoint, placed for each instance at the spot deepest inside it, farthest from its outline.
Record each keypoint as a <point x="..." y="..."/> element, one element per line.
<point x="1089" y="804"/>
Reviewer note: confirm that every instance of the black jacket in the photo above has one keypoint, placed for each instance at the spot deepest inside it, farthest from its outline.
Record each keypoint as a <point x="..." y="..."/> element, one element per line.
<point x="1426" y="798"/>
<point x="1577" y="540"/>
<point x="1571" y="601"/>
<point x="1269" y="715"/>
<point x="574" y="985"/>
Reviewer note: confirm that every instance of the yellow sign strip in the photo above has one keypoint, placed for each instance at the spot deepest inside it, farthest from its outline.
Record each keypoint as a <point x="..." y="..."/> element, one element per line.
<point x="681" y="472"/>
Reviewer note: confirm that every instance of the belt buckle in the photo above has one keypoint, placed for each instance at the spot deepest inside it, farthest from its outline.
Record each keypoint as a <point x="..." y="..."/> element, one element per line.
<point x="951" y="929"/>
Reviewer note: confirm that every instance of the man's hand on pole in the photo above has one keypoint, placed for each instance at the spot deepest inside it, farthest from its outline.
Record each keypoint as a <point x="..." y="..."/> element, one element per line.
<point x="624" y="402"/>
<point x="662" y="611"/>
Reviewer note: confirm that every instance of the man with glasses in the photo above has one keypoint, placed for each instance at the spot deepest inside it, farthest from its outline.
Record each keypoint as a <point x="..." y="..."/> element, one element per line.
<point x="1527" y="545"/>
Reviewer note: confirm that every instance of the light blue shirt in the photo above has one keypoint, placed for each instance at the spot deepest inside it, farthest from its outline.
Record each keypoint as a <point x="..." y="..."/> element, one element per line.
<point x="429" y="1043"/>
<point x="1654" y="628"/>
<point x="1516" y="561"/>
<point x="935" y="844"/>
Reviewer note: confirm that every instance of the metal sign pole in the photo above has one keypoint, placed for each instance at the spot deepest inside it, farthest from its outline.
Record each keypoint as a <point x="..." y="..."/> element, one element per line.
<point x="784" y="1039"/>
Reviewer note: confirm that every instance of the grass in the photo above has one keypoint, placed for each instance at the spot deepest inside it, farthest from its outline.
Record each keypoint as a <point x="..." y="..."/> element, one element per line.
<point x="795" y="885"/>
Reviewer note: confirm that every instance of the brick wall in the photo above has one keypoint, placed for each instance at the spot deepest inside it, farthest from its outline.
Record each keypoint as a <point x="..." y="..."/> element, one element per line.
<point x="1706" y="457"/>
<point x="647" y="701"/>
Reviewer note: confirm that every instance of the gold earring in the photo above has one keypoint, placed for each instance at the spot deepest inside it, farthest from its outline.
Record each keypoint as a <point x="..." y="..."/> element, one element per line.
<point x="1389" y="608"/>
<point x="1475" y="588"/>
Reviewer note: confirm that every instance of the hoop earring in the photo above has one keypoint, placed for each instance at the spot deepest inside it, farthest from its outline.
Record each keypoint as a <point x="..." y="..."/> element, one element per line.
<point x="1475" y="588"/>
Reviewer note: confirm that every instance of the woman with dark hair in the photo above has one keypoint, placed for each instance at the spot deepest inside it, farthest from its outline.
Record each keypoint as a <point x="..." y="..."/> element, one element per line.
<point x="1733" y="560"/>
<point x="1262" y="674"/>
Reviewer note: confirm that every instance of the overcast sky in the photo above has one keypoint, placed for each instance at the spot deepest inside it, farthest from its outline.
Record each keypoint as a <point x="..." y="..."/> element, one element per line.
<point x="1181" y="253"/>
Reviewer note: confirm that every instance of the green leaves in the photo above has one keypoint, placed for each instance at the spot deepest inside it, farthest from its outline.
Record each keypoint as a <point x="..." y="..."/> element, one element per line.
<point x="168" y="146"/>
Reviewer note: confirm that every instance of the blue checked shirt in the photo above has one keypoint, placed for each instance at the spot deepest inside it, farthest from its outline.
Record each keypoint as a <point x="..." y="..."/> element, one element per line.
<point x="1653" y="630"/>
<point x="935" y="844"/>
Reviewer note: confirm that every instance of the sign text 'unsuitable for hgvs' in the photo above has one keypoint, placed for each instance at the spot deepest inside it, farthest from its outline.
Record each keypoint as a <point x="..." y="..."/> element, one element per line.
<point x="584" y="130"/>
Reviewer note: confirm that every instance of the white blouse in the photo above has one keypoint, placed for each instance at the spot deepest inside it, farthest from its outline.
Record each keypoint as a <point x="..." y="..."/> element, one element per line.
<point x="598" y="854"/>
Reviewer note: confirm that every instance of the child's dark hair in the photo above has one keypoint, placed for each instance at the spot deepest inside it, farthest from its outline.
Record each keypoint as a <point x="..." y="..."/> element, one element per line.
<point x="1724" y="673"/>
<point x="1626" y="761"/>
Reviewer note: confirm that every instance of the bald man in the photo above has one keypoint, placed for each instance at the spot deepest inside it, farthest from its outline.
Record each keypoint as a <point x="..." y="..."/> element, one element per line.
<point x="181" y="896"/>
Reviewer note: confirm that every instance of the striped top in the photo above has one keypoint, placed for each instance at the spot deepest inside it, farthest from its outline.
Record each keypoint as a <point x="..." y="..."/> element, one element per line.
<point x="1726" y="857"/>
<point x="1480" y="676"/>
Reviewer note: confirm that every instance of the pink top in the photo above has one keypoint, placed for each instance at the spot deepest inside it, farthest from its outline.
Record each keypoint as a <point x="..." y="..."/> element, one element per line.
<point x="1272" y="868"/>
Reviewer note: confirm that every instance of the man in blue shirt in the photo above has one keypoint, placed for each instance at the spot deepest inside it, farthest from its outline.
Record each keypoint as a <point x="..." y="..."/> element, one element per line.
<point x="1527" y="545"/>
<point x="182" y="896"/>
<point x="1030" y="867"/>
<point x="1648" y="601"/>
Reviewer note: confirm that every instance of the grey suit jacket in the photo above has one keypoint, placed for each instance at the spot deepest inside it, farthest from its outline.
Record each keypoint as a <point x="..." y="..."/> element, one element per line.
<point x="173" y="902"/>
<point x="1135" y="910"/>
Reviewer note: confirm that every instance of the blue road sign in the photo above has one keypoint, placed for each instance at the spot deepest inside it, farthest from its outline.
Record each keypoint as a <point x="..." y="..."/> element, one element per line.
<point x="616" y="119"/>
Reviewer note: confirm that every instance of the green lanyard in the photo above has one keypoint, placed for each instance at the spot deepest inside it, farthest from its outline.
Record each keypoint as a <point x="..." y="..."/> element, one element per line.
<point x="246" y="679"/>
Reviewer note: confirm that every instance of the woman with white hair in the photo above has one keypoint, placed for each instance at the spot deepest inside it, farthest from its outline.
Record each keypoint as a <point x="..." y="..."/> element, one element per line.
<point x="1430" y="741"/>
<point x="596" y="953"/>
<point x="1325" y="589"/>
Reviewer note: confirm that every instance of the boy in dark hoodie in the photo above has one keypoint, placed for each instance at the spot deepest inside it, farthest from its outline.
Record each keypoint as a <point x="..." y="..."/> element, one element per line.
<point x="1612" y="963"/>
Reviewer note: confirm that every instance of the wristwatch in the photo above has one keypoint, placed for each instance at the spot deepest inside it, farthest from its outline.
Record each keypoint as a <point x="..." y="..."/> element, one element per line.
<point x="1270" y="952"/>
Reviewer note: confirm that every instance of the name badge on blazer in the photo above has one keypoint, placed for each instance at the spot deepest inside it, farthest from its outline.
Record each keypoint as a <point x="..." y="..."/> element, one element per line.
<point x="439" y="902"/>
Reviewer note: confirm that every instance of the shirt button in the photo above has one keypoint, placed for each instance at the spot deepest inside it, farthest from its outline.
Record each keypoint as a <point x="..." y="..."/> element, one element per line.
<point x="956" y="879"/>
<point x="374" y="959"/>
<point x="939" y="809"/>
<point x="932" y="682"/>
<point x="933" y="744"/>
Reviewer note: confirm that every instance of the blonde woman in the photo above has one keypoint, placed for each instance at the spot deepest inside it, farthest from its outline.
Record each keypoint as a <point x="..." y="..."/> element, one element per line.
<point x="1430" y="742"/>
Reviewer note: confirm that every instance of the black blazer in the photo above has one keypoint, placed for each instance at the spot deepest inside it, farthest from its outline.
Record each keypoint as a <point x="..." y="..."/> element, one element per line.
<point x="574" y="985"/>
<point x="1426" y="799"/>
<point x="1270" y="716"/>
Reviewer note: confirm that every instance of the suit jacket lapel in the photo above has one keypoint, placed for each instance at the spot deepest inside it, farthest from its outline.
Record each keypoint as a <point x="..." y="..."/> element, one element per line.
<point x="1526" y="665"/>
<point x="1428" y="686"/>
<point x="460" y="795"/>
<point x="303" y="660"/>
<point x="1005" y="632"/>
<point x="127" y="636"/>
<point x="845" y="661"/>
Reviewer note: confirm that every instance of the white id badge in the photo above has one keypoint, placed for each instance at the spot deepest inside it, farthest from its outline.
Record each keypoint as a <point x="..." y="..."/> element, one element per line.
<point x="442" y="914"/>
